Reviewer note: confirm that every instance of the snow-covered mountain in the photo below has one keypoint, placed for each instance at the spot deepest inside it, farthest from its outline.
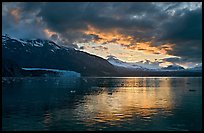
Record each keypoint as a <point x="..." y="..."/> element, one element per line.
<point x="50" y="57"/>
<point x="196" y="68"/>
<point x="173" y="67"/>
<point x="39" y="53"/>
<point x="116" y="62"/>
<point x="148" y="66"/>
<point x="145" y="65"/>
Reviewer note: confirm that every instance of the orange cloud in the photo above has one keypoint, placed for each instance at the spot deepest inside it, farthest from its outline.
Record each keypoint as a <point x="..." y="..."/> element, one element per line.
<point x="148" y="48"/>
<point x="15" y="13"/>
<point x="48" y="32"/>
<point x="105" y="37"/>
<point x="108" y="37"/>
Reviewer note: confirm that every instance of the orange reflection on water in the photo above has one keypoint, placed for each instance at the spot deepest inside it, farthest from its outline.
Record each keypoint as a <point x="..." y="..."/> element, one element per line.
<point x="47" y="118"/>
<point x="125" y="102"/>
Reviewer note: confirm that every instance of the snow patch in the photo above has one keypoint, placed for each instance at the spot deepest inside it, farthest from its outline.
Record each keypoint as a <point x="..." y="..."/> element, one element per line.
<point x="56" y="47"/>
<point x="38" y="44"/>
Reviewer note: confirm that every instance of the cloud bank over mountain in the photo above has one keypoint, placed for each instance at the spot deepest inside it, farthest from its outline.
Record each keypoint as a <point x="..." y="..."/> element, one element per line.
<point x="151" y="28"/>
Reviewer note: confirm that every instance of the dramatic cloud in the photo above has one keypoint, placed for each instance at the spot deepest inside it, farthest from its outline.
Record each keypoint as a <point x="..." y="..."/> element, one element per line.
<point x="171" y="29"/>
<point x="185" y="30"/>
<point x="180" y="61"/>
<point x="20" y="23"/>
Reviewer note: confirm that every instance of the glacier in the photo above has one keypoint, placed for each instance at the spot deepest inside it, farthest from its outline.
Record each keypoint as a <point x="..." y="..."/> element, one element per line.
<point x="61" y="73"/>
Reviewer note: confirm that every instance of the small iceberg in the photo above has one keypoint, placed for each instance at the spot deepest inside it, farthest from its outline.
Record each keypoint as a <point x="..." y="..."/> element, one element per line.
<point x="72" y="91"/>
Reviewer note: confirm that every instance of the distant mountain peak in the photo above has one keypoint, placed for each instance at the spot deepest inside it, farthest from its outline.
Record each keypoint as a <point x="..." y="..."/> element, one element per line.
<point x="141" y="65"/>
<point x="116" y="62"/>
<point x="173" y="67"/>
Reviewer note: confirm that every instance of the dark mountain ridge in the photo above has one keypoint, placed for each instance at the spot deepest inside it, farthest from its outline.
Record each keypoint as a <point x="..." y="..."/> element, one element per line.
<point x="46" y="54"/>
<point x="38" y="53"/>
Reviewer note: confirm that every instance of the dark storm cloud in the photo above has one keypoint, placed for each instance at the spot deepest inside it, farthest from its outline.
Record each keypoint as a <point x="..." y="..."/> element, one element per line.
<point x="175" y="60"/>
<point x="159" y="23"/>
<point x="31" y="6"/>
<point x="19" y="23"/>
<point x="62" y="17"/>
<point x="185" y="30"/>
<point x="184" y="27"/>
<point x="182" y="61"/>
<point x="67" y="17"/>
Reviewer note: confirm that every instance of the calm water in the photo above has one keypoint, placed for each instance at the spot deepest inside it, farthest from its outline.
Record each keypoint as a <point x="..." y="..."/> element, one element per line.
<point x="102" y="104"/>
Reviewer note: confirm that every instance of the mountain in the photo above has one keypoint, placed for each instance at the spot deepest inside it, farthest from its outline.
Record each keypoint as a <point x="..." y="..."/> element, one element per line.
<point x="37" y="57"/>
<point x="116" y="62"/>
<point x="173" y="67"/>
<point x="143" y="66"/>
<point x="196" y="68"/>
<point x="10" y="68"/>
<point x="147" y="66"/>
<point x="38" y="53"/>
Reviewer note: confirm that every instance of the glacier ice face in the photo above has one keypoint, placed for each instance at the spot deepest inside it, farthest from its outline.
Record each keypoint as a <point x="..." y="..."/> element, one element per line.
<point x="62" y="73"/>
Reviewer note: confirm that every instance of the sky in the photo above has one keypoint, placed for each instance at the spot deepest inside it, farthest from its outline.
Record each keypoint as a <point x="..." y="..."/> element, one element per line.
<point x="158" y="33"/>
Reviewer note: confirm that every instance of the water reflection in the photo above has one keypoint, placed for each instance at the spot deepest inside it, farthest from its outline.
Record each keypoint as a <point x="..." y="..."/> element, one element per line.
<point x="122" y="103"/>
<point x="102" y="104"/>
<point x="47" y="121"/>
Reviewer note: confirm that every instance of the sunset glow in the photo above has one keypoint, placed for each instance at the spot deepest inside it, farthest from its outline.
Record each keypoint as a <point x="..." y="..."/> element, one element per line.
<point x="129" y="34"/>
<point x="102" y="66"/>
